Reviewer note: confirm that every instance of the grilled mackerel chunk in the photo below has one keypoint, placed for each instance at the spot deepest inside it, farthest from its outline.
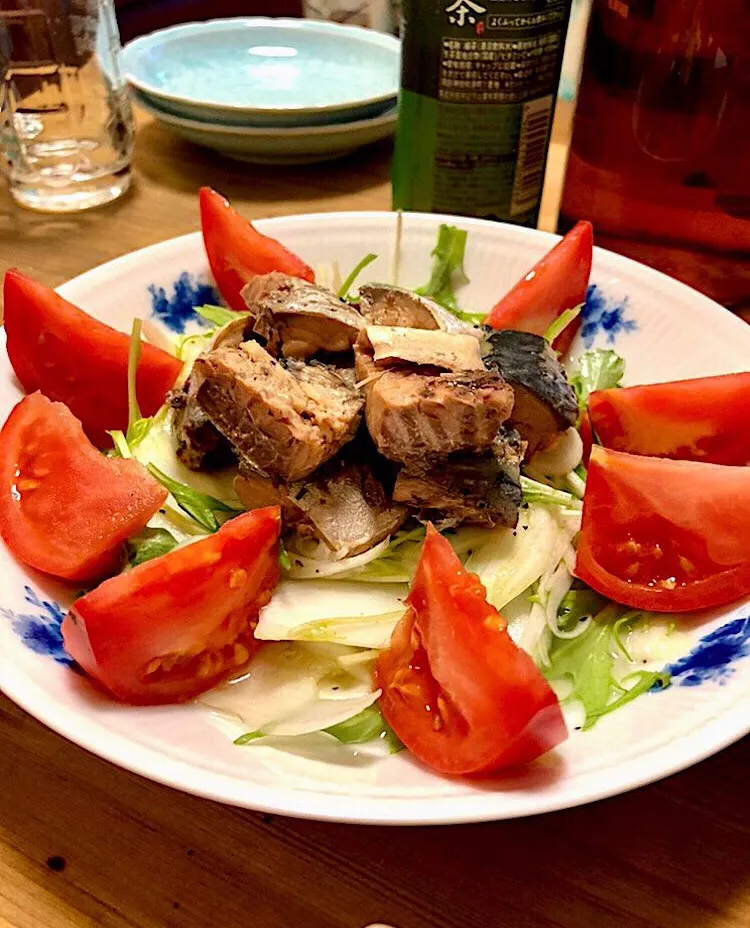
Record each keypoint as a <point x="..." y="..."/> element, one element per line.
<point x="545" y="403"/>
<point x="284" y="419"/>
<point x="200" y="446"/>
<point x="395" y="346"/>
<point x="382" y="304"/>
<point x="297" y="319"/>
<point x="416" y="412"/>
<point x="479" y="489"/>
<point x="343" y="505"/>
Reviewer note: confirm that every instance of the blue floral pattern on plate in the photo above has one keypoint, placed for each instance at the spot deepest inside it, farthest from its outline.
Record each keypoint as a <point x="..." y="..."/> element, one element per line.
<point x="714" y="655"/>
<point x="178" y="308"/>
<point x="605" y="316"/>
<point x="39" y="629"/>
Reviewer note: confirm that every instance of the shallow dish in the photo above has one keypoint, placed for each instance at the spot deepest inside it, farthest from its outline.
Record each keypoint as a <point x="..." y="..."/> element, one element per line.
<point x="266" y="72"/>
<point x="662" y="328"/>
<point x="268" y="145"/>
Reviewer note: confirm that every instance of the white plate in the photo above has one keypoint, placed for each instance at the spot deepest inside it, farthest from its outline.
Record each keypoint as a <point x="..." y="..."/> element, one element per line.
<point x="261" y="71"/>
<point x="663" y="329"/>
<point x="303" y="145"/>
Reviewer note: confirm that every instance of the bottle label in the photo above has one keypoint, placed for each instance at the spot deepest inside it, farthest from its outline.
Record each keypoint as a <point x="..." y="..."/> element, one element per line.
<point x="478" y="92"/>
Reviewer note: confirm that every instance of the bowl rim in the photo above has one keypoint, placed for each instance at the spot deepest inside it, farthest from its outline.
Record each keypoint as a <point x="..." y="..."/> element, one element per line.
<point x="256" y="132"/>
<point x="133" y="50"/>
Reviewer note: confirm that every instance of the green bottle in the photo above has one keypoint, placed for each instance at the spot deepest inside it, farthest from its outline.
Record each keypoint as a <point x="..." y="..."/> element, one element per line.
<point x="478" y="89"/>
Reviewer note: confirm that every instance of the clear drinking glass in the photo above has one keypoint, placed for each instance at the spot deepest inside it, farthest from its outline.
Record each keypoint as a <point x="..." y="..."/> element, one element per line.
<point x="66" y="126"/>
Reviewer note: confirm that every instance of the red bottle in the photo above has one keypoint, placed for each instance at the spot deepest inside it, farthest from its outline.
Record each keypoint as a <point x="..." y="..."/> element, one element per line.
<point x="660" y="154"/>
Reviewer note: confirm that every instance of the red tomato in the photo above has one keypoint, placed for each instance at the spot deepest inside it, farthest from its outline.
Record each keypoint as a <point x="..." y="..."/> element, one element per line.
<point x="457" y="691"/>
<point x="692" y="420"/>
<point x="666" y="536"/>
<point x="587" y="436"/>
<point x="237" y="252"/>
<point x="556" y="283"/>
<point x="71" y="357"/>
<point x="178" y="624"/>
<point x="65" y="508"/>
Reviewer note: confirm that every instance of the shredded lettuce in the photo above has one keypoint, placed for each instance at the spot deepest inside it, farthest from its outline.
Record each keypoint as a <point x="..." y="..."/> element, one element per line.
<point x="343" y="291"/>
<point x="218" y="315"/>
<point x="159" y="446"/>
<point x="148" y="544"/>
<point x="598" y="668"/>
<point x="138" y="426"/>
<point x="448" y="272"/>
<point x="396" y="563"/>
<point x="397" y="560"/>
<point x="302" y="567"/>
<point x="548" y="593"/>
<point x="577" y="607"/>
<point x="510" y="561"/>
<point x="536" y="492"/>
<point x="294" y="688"/>
<point x="600" y="369"/>
<point x="200" y="506"/>
<point x="190" y="346"/>
<point x="333" y="611"/>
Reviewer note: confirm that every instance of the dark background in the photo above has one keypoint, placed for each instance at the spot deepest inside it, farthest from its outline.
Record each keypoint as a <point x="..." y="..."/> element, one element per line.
<point x="137" y="17"/>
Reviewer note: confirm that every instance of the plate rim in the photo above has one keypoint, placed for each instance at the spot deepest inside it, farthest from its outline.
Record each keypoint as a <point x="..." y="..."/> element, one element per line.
<point x="92" y="734"/>
<point x="132" y="51"/>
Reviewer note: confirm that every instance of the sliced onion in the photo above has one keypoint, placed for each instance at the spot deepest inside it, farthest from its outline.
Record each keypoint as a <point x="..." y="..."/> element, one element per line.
<point x="310" y="568"/>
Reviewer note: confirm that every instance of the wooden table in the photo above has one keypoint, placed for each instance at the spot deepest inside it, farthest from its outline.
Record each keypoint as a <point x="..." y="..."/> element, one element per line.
<point x="83" y="843"/>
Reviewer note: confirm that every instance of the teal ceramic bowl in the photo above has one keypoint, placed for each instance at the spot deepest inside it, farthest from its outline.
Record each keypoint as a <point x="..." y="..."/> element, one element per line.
<point x="266" y="72"/>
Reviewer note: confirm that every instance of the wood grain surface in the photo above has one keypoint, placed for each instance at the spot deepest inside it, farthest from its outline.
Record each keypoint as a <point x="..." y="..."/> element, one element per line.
<point x="83" y="843"/>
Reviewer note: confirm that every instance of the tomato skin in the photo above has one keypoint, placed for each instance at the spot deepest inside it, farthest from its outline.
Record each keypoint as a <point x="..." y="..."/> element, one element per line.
<point x="65" y="509"/>
<point x="557" y="282"/>
<point x="458" y="692"/>
<point x="237" y="252"/>
<point x="691" y="420"/>
<point x="174" y="626"/>
<point x="587" y="436"/>
<point x="73" y="358"/>
<point x="662" y="535"/>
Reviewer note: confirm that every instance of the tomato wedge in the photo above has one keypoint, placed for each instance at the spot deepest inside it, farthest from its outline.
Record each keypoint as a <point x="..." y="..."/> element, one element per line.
<point x="65" y="508"/>
<point x="237" y="252"/>
<point x="75" y="359"/>
<point x="691" y="420"/>
<point x="662" y="535"/>
<point x="178" y="624"/>
<point x="556" y="283"/>
<point x="457" y="691"/>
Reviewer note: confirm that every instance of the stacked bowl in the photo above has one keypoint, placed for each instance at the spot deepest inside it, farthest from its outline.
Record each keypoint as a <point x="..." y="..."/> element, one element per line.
<point x="273" y="91"/>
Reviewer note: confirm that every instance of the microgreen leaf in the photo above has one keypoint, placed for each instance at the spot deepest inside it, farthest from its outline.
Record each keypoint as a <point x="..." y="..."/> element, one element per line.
<point x="200" y="506"/>
<point x="121" y="448"/>
<point x="148" y="544"/>
<point x="367" y="725"/>
<point x="600" y="369"/>
<point x="447" y="268"/>
<point x="343" y="291"/>
<point x="219" y="315"/>
<point x="561" y="323"/>
<point x="589" y="663"/>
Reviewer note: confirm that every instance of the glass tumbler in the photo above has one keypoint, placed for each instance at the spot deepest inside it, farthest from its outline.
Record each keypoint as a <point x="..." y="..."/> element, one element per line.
<point x="66" y="126"/>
